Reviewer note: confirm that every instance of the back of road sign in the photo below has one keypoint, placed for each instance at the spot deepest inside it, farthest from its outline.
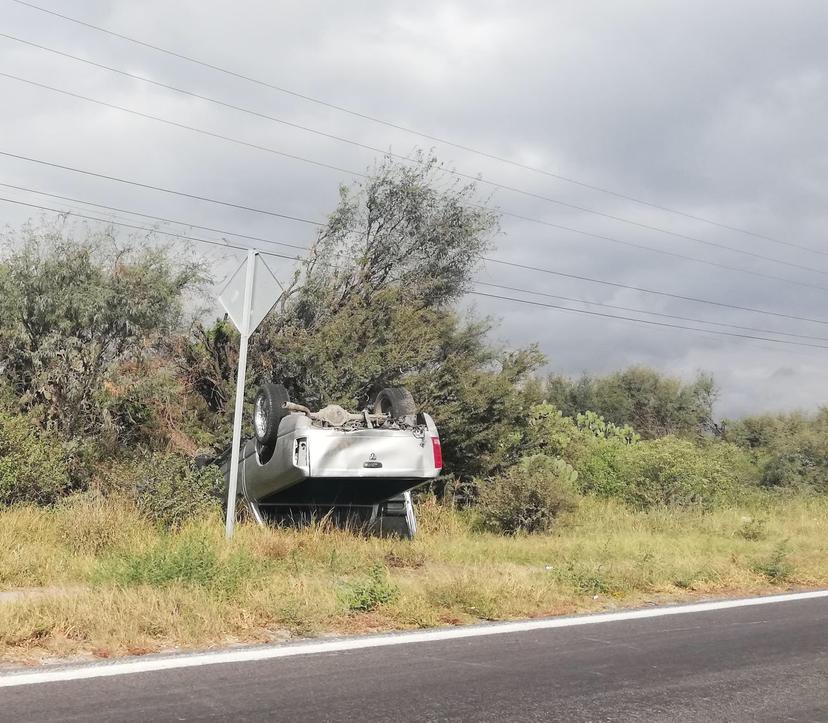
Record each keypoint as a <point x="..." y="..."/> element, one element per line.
<point x="265" y="292"/>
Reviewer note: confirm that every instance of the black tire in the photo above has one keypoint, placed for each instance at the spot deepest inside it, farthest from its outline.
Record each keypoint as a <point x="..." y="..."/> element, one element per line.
<point x="268" y="412"/>
<point x="396" y="401"/>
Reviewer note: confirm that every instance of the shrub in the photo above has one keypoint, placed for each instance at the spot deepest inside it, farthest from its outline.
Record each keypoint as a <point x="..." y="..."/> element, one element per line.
<point x="548" y="432"/>
<point x="777" y="568"/>
<point x="529" y="496"/>
<point x="753" y="528"/>
<point x="32" y="464"/>
<point x="654" y="404"/>
<point x="671" y="471"/>
<point x="595" y="423"/>
<point x="601" y="468"/>
<point x="790" y="450"/>
<point x="168" y="490"/>
<point x="375" y="589"/>
<point x="73" y="310"/>
<point x="800" y="462"/>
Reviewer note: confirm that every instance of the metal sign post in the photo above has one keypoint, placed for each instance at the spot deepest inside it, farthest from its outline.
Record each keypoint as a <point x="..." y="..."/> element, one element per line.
<point x="232" y="489"/>
<point x="246" y="306"/>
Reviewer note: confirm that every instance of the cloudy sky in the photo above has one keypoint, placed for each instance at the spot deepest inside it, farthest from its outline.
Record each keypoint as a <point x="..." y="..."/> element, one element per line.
<point x="716" y="110"/>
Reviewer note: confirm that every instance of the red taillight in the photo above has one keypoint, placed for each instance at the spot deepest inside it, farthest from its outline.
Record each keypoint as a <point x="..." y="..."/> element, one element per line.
<point x="438" y="453"/>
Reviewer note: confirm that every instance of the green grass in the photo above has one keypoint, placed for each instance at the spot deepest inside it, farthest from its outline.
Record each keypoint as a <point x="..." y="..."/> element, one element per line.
<point x="130" y="588"/>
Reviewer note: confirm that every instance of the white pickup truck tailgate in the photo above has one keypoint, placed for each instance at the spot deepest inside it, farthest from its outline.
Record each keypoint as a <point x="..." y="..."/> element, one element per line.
<point x="370" y="453"/>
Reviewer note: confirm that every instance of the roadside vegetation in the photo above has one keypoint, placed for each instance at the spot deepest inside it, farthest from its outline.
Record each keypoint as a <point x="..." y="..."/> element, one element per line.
<point x="119" y="585"/>
<point x="559" y="494"/>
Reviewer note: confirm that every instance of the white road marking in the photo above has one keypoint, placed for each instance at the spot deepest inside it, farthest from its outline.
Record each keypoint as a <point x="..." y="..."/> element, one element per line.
<point x="147" y="665"/>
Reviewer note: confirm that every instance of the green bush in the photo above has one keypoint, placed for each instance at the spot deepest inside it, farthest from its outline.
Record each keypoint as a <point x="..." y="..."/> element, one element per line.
<point x="602" y="470"/>
<point x="791" y="450"/>
<point x="777" y="568"/>
<point x="74" y="310"/>
<point x="549" y="433"/>
<point x="529" y="496"/>
<point x="375" y="589"/>
<point x="799" y="462"/>
<point x="671" y="471"/>
<point x="168" y="490"/>
<point x="654" y="404"/>
<point x="599" y="427"/>
<point x="667" y="471"/>
<point x="32" y="464"/>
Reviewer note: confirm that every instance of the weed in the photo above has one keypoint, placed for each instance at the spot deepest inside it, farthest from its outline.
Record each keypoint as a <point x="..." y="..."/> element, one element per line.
<point x="189" y="559"/>
<point x="777" y="568"/>
<point x="753" y="528"/>
<point x="375" y="589"/>
<point x="586" y="580"/>
<point x="91" y="525"/>
<point x="154" y="587"/>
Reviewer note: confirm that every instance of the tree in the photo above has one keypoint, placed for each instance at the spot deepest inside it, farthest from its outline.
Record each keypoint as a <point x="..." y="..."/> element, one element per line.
<point x="654" y="404"/>
<point x="371" y="307"/>
<point x="790" y="449"/>
<point x="399" y="229"/>
<point x="75" y="312"/>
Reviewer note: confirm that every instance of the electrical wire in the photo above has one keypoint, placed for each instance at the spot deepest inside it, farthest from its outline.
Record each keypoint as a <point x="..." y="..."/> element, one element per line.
<point x="649" y="313"/>
<point x="148" y="229"/>
<point x="161" y="189"/>
<point x="485" y="258"/>
<point x="329" y="166"/>
<point x="412" y="131"/>
<point x="645" y="321"/>
<point x="224" y="244"/>
<point x="473" y="293"/>
<point x="155" y="218"/>
<point x="406" y="159"/>
<point x="643" y="290"/>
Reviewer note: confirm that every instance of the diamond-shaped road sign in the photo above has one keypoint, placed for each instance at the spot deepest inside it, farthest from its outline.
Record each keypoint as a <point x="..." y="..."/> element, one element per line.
<point x="247" y="297"/>
<point x="265" y="292"/>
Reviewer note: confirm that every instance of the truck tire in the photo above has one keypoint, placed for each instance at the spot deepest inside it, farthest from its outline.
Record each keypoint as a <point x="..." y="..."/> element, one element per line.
<point x="396" y="401"/>
<point x="268" y="411"/>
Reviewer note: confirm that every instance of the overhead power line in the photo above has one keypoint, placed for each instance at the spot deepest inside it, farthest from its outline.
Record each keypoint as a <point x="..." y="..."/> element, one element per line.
<point x="236" y="234"/>
<point x="649" y="313"/>
<point x="643" y="290"/>
<point x="161" y="189"/>
<point x="667" y="252"/>
<point x="148" y="229"/>
<point x="183" y="126"/>
<point x="155" y="218"/>
<point x="406" y="159"/>
<point x="645" y="321"/>
<point x="399" y="127"/>
<point x="472" y="293"/>
<point x="490" y="259"/>
<point x="329" y="166"/>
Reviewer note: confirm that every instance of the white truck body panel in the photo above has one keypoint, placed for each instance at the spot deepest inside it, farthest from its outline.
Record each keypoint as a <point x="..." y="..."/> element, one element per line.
<point x="316" y="464"/>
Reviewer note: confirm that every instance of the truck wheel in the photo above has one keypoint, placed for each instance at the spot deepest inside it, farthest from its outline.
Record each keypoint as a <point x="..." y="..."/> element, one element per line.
<point x="268" y="411"/>
<point x="396" y="401"/>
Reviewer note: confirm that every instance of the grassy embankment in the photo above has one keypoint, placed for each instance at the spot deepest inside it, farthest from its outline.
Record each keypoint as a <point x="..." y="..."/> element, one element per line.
<point x="125" y="587"/>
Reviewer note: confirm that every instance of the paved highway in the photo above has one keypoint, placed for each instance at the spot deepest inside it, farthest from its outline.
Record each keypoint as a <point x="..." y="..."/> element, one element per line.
<point x="765" y="662"/>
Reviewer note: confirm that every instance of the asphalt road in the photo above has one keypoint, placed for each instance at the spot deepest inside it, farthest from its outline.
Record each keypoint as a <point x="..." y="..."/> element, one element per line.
<point x="762" y="663"/>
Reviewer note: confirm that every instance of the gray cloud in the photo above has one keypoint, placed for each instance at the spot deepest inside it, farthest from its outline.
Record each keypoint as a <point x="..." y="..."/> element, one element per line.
<point x="718" y="109"/>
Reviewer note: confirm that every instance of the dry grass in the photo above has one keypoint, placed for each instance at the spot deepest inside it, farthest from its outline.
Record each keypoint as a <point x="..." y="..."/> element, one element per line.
<point x="131" y="589"/>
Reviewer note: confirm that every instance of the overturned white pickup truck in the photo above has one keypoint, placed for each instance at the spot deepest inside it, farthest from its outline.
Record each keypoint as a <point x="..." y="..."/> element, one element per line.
<point x="355" y="467"/>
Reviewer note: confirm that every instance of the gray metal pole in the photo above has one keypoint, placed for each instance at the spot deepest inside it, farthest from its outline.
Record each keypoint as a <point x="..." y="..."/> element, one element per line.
<point x="232" y="488"/>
